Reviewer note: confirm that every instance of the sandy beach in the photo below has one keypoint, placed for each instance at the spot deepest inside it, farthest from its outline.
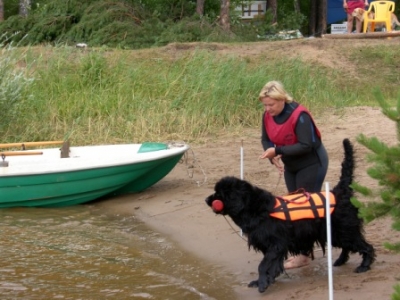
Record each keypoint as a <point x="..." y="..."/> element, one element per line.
<point x="175" y="207"/>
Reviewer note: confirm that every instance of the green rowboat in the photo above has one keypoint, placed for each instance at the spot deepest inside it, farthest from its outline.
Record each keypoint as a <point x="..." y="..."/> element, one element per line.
<point x="41" y="178"/>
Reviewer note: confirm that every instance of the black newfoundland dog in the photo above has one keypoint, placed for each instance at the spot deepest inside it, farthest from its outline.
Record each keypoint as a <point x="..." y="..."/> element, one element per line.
<point x="256" y="212"/>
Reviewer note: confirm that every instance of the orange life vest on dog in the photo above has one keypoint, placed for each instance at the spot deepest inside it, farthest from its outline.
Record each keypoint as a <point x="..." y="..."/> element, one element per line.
<point x="302" y="206"/>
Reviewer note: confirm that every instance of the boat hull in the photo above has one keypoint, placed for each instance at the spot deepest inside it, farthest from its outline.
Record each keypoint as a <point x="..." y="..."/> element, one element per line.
<point x="63" y="186"/>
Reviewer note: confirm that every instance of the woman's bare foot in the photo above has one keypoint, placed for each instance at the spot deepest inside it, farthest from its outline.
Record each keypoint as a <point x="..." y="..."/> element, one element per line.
<point x="289" y="259"/>
<point x="296" y="262"/>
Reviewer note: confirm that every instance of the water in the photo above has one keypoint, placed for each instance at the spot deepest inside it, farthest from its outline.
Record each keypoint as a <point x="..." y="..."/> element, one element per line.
<point x="82" y="253"/>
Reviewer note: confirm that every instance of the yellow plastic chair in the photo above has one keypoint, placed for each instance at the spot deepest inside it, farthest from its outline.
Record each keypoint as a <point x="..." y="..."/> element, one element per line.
<point x="382" y="14"/>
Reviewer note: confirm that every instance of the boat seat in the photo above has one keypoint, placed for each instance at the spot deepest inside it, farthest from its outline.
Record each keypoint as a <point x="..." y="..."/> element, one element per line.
<point x="64" y="150"/>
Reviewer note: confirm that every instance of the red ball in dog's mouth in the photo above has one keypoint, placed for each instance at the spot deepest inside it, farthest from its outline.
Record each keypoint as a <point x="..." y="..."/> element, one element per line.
<point x="217" y="205"/>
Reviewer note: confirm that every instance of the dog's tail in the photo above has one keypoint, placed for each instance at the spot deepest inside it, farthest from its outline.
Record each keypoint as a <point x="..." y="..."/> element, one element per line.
<point x="346" y="178"/>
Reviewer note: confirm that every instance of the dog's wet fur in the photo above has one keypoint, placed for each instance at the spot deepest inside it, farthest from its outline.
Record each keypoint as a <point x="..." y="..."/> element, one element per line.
<point x="250" y="207"/>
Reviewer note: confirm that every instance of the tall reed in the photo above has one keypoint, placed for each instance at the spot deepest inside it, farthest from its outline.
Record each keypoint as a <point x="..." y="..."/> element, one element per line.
<point x="115" y="96"/>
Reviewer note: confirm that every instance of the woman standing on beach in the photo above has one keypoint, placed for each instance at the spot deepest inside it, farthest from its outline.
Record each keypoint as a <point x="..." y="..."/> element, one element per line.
<point x="290" y="135"/>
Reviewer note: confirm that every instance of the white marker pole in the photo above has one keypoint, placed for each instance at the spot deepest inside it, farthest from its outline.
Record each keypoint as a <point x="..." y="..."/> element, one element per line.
<point x="241" y="161"/>
<point x="328" y="234"/>
<point x="241" y="173"/>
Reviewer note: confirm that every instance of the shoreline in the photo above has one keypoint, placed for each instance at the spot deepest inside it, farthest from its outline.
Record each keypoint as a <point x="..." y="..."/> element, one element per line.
<point x="175" y="207"/>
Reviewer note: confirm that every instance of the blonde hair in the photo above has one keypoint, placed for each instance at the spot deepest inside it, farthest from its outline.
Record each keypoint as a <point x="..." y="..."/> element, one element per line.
<point x="275" y="90"/>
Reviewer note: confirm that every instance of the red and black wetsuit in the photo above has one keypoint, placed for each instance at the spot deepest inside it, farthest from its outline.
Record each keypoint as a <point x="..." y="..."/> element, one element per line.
<point x="295" y="136"/>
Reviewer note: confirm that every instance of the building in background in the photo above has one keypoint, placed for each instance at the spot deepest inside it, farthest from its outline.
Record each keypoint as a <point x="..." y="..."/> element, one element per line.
<point x="252" y="9"/>
<point x="256" y="9"/>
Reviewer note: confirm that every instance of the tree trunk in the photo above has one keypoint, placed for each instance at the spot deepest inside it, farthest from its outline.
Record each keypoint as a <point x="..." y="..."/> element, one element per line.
<point x="321" y="24"/>
<point x="224" y="15"/>
<point x="200" y="7"/>
<point x="1" y="11"/>
<point x="24" y="6"/>
<point x="296" y="6"/>
<point x="272" y="6"/>
<point x="313" y="18"/>
<point x="317" y="21"/>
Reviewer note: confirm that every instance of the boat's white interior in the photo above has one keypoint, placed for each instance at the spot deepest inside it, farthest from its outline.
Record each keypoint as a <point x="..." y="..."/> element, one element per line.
<point x="85" y="157"/>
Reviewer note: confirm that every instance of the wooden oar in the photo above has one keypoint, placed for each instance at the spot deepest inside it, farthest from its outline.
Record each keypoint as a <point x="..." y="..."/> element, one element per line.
<point x="31" y="144"/>
<point x="15" y="153"/>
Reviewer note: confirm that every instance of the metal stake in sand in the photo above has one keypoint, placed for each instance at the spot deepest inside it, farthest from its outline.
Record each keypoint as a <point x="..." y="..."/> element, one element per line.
<point x="241" y="161"/>
<point x="328" y="234"/>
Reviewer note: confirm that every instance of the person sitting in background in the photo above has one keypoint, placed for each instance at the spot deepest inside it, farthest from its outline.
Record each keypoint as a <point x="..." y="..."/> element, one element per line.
<point x="349" y="6"/>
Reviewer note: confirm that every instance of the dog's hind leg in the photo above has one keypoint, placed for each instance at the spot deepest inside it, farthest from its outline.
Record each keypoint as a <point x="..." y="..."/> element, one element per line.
<point x="368" y="257"/>
<point x="367" y="252"/>
<point x="270" y="267"/>
<point x="343" y="258"/>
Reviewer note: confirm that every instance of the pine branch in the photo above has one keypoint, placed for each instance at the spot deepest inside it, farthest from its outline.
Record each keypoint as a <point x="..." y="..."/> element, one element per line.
<point x="386" y="170"/>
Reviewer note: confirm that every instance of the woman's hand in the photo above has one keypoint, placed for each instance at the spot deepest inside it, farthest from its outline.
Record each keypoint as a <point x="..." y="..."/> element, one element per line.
<point x="269" y="153"/>
<point x="275" y="159"/>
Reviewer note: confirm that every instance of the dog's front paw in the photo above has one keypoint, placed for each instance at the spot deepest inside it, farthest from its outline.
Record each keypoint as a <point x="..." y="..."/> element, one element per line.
<point x="362" y="269"/>
<point x="342" y="259"/>
<point x="262" y="287"/>
<point x="253" y="283"/>
<point x="256" y="283"/>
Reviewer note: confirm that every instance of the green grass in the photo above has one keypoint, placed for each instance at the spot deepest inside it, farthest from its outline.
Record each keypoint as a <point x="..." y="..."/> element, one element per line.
<point x="379" y="66"/>
<point x="116" y="96"/>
